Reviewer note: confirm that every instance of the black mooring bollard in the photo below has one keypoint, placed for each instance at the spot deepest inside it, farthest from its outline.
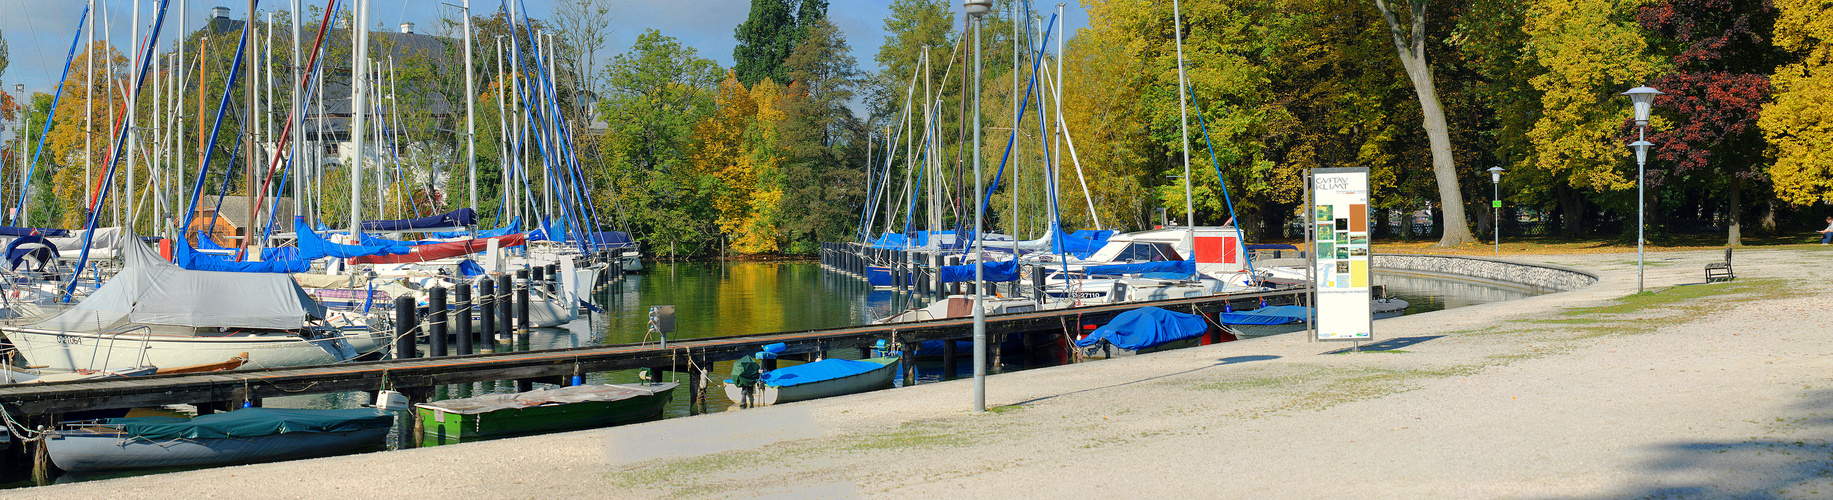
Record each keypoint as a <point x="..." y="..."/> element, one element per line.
<point x="536" y="276"/>
<point x="553" y="278"/>
<point x="486" y="312"/>
<point x="404" y="327"/>
<point x="522" y="301"/>
<point x="461" y="317"/>
<point x="436" y="322"/>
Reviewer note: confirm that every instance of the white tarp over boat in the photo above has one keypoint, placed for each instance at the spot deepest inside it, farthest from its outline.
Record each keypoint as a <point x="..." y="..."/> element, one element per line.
<point x="151" y="291"/>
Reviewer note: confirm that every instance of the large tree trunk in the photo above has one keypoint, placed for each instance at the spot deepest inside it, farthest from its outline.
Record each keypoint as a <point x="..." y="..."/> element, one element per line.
<point x="1573" y="208"/>
<point x="1734" y="213"/>
<point x="1411" y="47"/>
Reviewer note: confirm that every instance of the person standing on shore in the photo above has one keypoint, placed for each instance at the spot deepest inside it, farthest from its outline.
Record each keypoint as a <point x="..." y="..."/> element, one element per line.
<point x="1826" y="235"/>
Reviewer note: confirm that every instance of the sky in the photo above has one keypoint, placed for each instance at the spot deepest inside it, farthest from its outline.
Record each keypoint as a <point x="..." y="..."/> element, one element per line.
<point x="38" y="32"/>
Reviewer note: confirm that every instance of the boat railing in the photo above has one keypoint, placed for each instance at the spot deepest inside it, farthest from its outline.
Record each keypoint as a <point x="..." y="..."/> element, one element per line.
<point x="111" y="337"/>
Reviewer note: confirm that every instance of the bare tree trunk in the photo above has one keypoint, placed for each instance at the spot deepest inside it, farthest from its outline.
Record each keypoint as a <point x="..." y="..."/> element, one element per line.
<point x="1734" y="213"/>
<point x="1411" y="47"/>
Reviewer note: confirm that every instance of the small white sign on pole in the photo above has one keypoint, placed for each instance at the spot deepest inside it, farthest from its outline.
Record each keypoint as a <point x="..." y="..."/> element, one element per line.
<point x="1340" y="213"/>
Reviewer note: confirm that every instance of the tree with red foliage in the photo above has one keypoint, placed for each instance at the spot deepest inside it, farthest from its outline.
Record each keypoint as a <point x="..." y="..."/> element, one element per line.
<point x="1722" y="60"/>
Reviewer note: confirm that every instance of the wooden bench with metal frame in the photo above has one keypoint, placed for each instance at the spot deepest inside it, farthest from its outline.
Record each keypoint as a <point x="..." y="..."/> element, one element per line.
<point x="1720" y="271"/>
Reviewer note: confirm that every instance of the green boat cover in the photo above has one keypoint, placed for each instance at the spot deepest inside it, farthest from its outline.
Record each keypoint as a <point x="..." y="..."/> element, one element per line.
<point x="251" y="422"/>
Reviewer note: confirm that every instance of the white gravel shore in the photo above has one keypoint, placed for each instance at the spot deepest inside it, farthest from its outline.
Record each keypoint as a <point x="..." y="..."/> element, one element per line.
<point x="1693" y="391"/>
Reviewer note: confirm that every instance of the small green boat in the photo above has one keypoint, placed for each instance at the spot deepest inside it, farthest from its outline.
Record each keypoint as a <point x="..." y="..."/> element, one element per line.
<point x="545" y="410"/>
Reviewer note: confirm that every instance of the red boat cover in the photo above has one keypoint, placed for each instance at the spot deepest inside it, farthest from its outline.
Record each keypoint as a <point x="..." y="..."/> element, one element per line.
<point x="436" y="251"/>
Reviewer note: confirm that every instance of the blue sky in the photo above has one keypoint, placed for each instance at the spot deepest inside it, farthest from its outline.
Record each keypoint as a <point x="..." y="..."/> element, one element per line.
<point x="38" y="32"/>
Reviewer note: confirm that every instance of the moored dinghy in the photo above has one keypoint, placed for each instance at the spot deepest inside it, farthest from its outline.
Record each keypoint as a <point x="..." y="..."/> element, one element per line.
<point x="820" y="379"/>
<point x="1142" y="330"/>
<point x="545" y="410"/>
<point x="243" y="436"/>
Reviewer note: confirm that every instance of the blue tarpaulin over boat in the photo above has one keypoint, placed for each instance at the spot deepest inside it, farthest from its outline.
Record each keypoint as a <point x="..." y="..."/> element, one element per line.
<point x="995" y="271"/>
<point x="611" y="240"/>
<point x="1270" y="315"/>
<point x="1146" y="327"/>
<point x="189" y="258"/>
<point x="252" y="422"/>
<point x="455" y="218"/>
<point x="487" y="233"/>
<point x="826" y="369"/>
<point x="33" y="231"/>
<point x="312" y="246"/>
<point x="891" y="240"/>
<point x="1081" y="243"/>
<point x="1185" y="267"/>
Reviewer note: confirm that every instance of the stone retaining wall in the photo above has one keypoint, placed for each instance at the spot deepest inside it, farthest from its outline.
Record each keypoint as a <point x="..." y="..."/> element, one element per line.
<point x="1545" y="277"/>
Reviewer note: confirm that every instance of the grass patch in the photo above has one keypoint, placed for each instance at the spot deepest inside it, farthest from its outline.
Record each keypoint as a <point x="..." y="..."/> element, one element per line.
<point x="1002" y="410"/>
<point x="909" y="436"/>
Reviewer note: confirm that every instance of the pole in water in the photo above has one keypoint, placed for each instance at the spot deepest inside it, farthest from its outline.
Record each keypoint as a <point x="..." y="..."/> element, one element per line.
<point x="461" y="317"/>
<point x="436" y="322"/>
<point x="404" y="327"/>
<point x="505" y="309"/>
<point x="522" y="302"/>
<point x="486" y="311"/>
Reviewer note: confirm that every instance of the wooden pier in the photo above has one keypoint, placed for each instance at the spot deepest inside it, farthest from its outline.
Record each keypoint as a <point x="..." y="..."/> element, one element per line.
<point x="416" y="377"/>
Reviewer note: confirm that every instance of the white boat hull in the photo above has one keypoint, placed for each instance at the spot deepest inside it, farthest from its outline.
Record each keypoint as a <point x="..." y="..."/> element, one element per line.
<point x="60" y="351"/>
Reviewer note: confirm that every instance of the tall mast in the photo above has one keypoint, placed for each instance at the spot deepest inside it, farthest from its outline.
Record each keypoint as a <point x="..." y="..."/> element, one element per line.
<point x="178" y="103"/>
<point x="248" y="133"/>
<point x="470" y="114"/>
<point x="133" y="112"/>
<point x="1190" y="213"/>
<point x="358" y="108"/>
<point x="89" y="107"/>
<point x="297" y="118"/>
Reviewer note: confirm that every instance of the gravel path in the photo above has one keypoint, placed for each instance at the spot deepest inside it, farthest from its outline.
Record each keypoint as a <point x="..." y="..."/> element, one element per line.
<point x="1692" y="391"/>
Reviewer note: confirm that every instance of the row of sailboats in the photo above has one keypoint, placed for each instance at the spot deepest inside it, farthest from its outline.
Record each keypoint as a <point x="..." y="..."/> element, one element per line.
<point x="256" y="284"/>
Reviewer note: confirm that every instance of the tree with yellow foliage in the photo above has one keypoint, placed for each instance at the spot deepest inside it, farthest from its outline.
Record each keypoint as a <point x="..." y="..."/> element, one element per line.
<point x="1799" y="123"/>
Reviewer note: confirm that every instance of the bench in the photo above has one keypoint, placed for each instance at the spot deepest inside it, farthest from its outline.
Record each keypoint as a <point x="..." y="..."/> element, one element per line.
<point x="1720" y="271"/>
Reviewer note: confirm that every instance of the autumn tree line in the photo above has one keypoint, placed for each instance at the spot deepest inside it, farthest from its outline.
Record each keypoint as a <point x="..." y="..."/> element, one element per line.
<point x="776" y="153"/>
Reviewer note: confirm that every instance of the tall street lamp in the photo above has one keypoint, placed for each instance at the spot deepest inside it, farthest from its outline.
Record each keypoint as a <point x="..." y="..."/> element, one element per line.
<point x="1641" y="98"/>
<point x="975" y="9"/>
<point x="1495" y="205"/>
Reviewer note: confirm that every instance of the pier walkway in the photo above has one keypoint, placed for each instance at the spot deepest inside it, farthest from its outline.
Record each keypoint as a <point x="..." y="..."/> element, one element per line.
<point x="1693" y="390"/>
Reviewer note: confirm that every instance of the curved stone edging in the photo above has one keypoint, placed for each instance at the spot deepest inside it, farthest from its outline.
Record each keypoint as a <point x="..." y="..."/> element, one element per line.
<point x="1540" y="276"/>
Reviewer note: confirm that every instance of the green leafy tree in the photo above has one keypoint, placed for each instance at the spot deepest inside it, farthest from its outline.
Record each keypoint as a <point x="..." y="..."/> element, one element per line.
<point x="820" y="139"/>
<point x="654" y="94"/>
<point x="764" y="40"/>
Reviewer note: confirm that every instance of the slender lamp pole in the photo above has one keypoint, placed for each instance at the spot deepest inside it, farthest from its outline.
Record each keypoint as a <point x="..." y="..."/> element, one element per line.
<point x="976" y="9"/>
<point x="1495" y="206"/>
<point x="1641" y="98"/>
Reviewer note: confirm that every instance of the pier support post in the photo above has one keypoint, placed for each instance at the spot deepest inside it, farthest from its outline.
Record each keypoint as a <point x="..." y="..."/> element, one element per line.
<point x="405" y="327"/>
<point x="522" y="301"/>
<point x="907" y="361"/>
<point x="486" y="312"/>
<point x="696" y="387"/>
<point x="461" y="317"/>
<point x="948" y="359"/>
<point x="436" y="322"/>
<point x="415" y="395"/>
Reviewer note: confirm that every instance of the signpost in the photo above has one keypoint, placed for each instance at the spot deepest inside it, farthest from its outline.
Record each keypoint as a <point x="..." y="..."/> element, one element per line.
<point x="1339" y="212"/>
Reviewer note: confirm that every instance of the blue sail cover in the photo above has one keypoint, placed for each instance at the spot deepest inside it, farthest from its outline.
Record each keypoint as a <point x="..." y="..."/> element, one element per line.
<point x="488" y="233"/>
<point x="1081" y="243"/>
<point x="612" y="240"/>
<point x="455" y="218"/>
<point x="189" y="258"/>
<point x="1146" y="327"/>
<point x="819" y="371"/>
<point x="33" y="231"/>
<point x="995" y="271"/>
<point x="1270" y="315"/>
<point x="36" y="249"/>
<point x="1185" y="267"/>
<point x="313" y="247"/>
<point x="892" y="240"/>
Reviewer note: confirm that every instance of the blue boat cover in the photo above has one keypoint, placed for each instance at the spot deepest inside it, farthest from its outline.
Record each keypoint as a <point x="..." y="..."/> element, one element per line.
<point x="1081" y="243"/>
<point x="611" y="240"/>
<point x="33" y="231"/>
<point x="891" y="240"/>
<point x="1166" y="276"/>
<point x="189" y="258"/>
<point x="823" y="370"/>
<point x="40" y="250"/>
<point x="313" y="247"/>
<point x="1146" y="327"/>
<point x="488" y="233"/>
<point x="1186" y="267"/>
<point x="470" y="268"/>
<point x="251" y="422"/>
<point x="455" y="218"/>
<point x="1270" y="315"/>
<point x="1006" y="270"/>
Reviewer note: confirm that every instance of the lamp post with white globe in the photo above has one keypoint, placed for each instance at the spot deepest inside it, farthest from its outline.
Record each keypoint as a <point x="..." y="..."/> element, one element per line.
<point x="975" y="10"/>
<point x="1641" y="98"/>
